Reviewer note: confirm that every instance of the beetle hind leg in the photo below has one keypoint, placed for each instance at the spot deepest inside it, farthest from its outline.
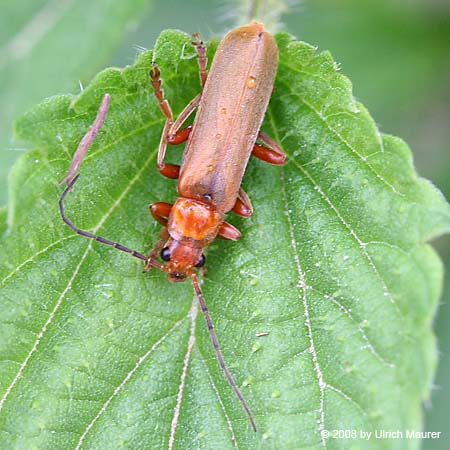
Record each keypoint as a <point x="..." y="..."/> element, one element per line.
<point x="243" y="206"/>
<point x="172" y="132"/>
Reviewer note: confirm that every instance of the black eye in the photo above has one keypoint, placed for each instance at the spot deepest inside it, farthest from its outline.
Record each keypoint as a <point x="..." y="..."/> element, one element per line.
<point x="165" y="254"/>
<point x="201" y="261"/>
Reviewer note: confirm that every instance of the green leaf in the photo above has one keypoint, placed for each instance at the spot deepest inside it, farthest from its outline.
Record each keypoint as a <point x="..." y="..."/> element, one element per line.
<point x="47" y="47"/>
<point x="333" y="264"/>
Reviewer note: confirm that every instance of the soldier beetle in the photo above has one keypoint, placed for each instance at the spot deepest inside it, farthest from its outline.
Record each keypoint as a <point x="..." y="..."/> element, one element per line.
<point x="231" y="107"/>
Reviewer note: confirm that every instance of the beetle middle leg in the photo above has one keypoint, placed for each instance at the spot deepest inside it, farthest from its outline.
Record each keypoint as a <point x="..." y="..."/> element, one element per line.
<point x="270" y="152"/>
<point x="161" y="211"/>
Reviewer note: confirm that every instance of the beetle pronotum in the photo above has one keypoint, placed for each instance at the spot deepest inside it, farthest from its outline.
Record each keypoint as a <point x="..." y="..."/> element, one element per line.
<point x="231" y="108"/>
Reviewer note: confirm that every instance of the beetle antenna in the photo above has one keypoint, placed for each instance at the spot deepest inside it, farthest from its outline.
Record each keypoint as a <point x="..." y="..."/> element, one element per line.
<point x="88" y="138"/>
<point x="215" y="342"/>
<point x="72" y="177"/>
<point x="67" y="221"/>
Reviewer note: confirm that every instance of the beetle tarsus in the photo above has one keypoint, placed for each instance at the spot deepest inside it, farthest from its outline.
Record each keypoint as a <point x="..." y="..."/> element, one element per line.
<point x="200" y="48"/>
<point x="164" y="104"/>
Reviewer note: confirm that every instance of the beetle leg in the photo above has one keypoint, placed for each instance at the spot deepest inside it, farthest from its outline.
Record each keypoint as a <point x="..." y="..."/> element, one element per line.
<point x="171" y="132"/>
<point x="228" y="231"/>
<point x="163" y="236"/>
<point x="200" y="48"/>
<point x="169" y="170"/>
<point x="174" y="129"/>
<point x="180" y="136"/>
<point x="267" y="140"/>
<point x="175" y="136"/>
<point x="272" y="155"/>
<point x="161" y="211"/>
<point x="155" y="76"/>
<point x="243" y="206"/>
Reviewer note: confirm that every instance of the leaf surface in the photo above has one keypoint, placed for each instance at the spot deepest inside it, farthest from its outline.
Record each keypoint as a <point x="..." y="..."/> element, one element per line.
<point x="333" y="265"/>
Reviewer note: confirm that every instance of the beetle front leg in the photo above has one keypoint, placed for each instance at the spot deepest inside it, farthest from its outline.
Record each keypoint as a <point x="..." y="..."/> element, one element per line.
<point x="228" y="231"/>
<point x="160" y="212"/>
<point x="163" y="236"/>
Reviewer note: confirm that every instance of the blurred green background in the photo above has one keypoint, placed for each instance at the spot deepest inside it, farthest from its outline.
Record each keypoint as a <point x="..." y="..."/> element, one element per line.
<point x="396" y="52"/>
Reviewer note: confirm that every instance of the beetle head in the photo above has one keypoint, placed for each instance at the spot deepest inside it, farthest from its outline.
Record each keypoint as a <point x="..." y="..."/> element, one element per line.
<point x="180" y="260"/>
<point x="192" y="226"/>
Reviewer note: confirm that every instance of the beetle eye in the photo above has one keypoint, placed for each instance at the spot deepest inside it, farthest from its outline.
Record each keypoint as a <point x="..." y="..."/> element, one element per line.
<point x="165" y="254"/>
<point x="201" y="261"/>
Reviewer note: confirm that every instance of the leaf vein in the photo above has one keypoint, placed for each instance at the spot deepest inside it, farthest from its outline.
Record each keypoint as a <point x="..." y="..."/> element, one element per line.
<point x="346" y="143"/>
<point x="364" y="336"/>
<point x="361" y="244"/>
<point x="348" y="398"/>
<point x="31" y="258"/>
<point x="187" y="358"/>
<point x="222" y="406"/>
<point x="127" y="378"/>
<point x="69" y="284"/>
<point x="301" y="284"/>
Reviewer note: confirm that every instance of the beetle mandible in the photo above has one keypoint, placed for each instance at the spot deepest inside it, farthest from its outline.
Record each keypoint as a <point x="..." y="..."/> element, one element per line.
<point x="230" y="110"/>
